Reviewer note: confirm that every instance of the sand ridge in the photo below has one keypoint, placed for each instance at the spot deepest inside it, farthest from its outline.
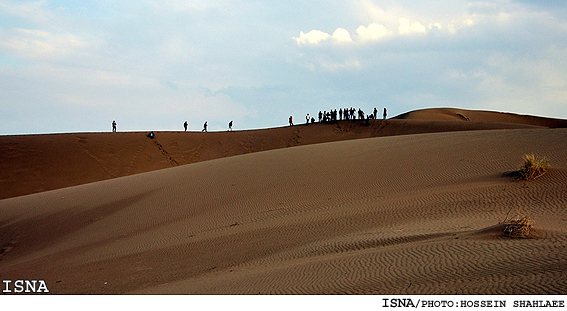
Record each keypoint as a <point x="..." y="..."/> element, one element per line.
<point x="455" y="114"/>
<point x="36" y="163"/>
<point x="410" y="214"/>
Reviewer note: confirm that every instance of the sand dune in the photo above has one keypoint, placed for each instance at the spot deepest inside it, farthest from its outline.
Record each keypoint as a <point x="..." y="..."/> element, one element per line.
<point x="409" y="214"/>
<point x="453" y="114"/>
<point x="36" y="163"/>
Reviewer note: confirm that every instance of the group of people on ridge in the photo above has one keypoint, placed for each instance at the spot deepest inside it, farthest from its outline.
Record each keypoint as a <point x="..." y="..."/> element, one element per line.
<point x="342" y="114"/>
<point x="324" y="116"/>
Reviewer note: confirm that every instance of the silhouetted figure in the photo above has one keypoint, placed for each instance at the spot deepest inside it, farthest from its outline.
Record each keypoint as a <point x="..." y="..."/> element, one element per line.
<point x="185" y="126"/>
<point x="307" y="117"/>
<point x="290" y="120"/>
<point x="320" y="116"/>
<point x="151" y="135"/>
<point x="230" y="125"/>
<point x="204" y="127"/>
<point x="312" y="119"/>
<point x="341" y="113"/>
<point x="113" y="126"/>
<point x="375" y="113"/>
<point x="385" y="113"/>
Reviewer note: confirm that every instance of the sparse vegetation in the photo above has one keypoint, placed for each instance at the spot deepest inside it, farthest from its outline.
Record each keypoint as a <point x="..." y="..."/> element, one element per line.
<point x="462" y="116"/>
<point x="533" y="167"/>
<point x="519" y="227"/>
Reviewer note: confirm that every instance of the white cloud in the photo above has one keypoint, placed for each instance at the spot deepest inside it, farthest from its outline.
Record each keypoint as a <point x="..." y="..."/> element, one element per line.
<point x="341" y="35"/>
<point x="408" y="27"/>
<point x="312" y="37"/>
<point x="437" y="26"/>
<point x="372" y="33"/>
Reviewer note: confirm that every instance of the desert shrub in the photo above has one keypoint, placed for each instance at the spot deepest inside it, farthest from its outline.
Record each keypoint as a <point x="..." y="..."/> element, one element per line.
<point x="533" y="167"/>
<point x="462" y="116"/>
<point x="519" y="227"/>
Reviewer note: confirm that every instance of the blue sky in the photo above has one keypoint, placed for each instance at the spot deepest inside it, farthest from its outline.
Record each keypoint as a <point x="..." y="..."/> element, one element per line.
<point x="74" y="66"/>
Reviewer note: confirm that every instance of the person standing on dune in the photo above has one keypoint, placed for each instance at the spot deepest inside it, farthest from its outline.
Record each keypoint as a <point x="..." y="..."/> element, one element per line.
<point x="204" y="127"/>
<point x="185" y="125"/>
<point x="290" y="120"/>
<point x="230" y="126"/>
<point x="385" y="113"/>
<point x="113" y="126"/>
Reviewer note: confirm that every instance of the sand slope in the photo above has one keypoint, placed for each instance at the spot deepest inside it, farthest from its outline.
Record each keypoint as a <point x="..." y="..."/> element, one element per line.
<point x="36" y="163"/>
<point x="454" y="114"/>
<point x="387" y="215"/>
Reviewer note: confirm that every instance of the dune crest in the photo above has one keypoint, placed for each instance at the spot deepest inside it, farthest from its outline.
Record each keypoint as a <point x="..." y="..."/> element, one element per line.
<point x="36" y="163"/>
<point x="454" y="114"/>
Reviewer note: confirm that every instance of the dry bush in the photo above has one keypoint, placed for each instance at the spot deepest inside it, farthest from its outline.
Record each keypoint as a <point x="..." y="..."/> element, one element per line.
<point x="520" y="227"/>
<point x="462" y="116"/>
<point x="533" y="167"/>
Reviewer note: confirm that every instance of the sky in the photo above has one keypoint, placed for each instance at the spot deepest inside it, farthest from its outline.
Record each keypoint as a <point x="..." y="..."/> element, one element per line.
<point x="75" y="66"/>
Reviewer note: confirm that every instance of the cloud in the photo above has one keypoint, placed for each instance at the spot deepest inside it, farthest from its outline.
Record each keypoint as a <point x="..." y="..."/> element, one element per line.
<point x="408" y="27"/>
<point x="341" y="36"/>
<point x="372" y="33"/>
<point x="365" y="34"/>
<point x="39" y="44"/>
<point x="312" y="37"/>
<point x="34" y="11"/>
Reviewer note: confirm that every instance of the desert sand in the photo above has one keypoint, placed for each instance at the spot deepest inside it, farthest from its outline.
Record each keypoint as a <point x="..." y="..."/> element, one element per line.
<point x="409" y="205"/>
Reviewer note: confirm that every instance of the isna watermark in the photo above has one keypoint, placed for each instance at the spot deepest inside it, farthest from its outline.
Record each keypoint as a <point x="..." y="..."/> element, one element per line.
<point x="24" y="286"/>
